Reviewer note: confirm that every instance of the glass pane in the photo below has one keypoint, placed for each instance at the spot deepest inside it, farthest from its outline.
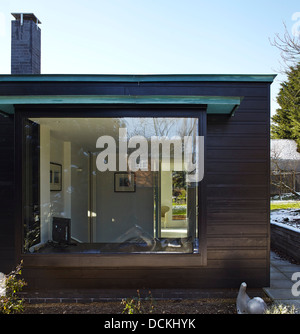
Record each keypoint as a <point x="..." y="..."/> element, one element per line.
<point x="32" y="226"/>
<point x="110" y="185"/>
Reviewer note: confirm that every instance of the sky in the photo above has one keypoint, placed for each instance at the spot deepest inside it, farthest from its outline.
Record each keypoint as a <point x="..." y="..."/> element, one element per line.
<point x="156" y="36"/>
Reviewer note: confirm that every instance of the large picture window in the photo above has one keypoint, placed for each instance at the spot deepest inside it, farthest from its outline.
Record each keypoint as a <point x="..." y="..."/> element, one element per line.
<point x="110" y="185"/>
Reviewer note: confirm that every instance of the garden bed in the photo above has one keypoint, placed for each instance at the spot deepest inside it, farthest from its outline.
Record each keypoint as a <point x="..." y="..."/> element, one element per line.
<point x="201" y="306"/>
<point x="285" y="232"/>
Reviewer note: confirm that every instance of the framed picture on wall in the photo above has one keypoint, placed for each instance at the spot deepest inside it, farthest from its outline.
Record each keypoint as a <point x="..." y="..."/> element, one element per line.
<point x="55" y="177"/>
<point x="124" y="182"/>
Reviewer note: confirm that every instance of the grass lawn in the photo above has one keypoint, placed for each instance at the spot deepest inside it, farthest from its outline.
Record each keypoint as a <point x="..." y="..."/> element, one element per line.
<point x="179" y="209"/>
<point x="285" y="205"/>
<point x="276" y="205"/>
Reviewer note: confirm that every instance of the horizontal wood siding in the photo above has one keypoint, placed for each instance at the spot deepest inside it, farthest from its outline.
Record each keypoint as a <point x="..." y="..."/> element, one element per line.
<point x="132" y="278"/>
<point x="237" y="190"/>
<point x="7" y="209"/>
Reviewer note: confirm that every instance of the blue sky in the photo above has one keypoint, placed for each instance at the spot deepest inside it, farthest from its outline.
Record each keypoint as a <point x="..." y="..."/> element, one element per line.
<point x="155" y="36"/>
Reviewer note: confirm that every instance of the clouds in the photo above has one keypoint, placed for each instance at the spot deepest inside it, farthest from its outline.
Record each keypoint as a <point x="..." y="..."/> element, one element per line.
<point x="296" y="26"/>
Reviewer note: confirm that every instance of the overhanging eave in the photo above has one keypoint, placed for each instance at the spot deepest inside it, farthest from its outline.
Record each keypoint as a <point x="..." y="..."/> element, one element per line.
<point x="215" y="104"/>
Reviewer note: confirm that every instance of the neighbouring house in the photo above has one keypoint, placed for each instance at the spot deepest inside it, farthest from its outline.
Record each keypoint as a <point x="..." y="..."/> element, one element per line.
<point x="77" y="225"/>
<point x="285" y="167"/>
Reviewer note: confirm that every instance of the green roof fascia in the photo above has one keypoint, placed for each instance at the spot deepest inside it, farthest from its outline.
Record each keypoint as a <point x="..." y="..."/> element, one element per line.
<point x="139" y="78"/>
<point x="215" y="104"/>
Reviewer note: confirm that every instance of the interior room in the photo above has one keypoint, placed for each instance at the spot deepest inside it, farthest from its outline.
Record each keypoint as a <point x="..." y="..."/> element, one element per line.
<point x="72" y="206"/>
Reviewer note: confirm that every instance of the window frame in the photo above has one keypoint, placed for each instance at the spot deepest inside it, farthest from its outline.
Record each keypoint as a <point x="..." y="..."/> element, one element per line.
<point x="126" y="260"/>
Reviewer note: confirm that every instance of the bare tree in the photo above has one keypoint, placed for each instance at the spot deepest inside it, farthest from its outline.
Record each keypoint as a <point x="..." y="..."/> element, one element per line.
<point x="289" y="45"/>
<point x="284" y="166"/>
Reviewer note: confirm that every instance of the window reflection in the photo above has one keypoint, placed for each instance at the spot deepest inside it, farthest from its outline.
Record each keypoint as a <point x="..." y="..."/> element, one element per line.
<point x="72" y="206"/>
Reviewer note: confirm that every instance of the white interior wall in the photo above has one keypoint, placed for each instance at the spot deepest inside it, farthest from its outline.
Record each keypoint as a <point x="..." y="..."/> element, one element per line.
<point x="79" y="193"/>
<point x="72" y="200"/>
<point x="92" y="198"/>
<point x="66" y="179"/>
<point x="57" y="197"/>
<point x="118" y="212"/>
<point x="53" y="203"/>
<point x="60" y="153"/>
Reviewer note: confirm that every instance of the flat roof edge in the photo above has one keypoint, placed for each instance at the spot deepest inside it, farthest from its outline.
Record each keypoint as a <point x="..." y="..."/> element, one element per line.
<point x="119" y="99"/>
<point x="140" y="78"/>
<point x="216" y="104"/>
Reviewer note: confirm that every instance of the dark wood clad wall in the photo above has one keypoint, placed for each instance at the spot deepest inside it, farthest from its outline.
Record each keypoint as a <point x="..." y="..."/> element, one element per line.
<point x="238" y="189"/>
<point x="237" y="180"/>
<point x="7" y="224"/>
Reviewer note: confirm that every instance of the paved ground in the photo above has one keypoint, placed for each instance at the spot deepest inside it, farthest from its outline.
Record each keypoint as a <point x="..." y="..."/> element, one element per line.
<point x="280" y="289"/>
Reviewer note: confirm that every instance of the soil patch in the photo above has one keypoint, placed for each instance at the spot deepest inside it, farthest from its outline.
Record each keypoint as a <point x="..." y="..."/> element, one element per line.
<point x="199" y="306"/>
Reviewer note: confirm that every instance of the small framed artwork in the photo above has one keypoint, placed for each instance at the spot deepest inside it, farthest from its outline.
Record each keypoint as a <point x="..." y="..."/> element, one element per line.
<point x="124" y="182"/>
<point x="55" y="176"/>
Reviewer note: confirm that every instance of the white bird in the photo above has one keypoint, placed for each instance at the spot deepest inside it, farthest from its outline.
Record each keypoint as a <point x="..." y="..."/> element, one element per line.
<point x="246" y="305"/>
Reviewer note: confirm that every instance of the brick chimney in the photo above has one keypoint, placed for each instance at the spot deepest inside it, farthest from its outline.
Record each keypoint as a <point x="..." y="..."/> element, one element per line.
<point x="25" y="44"/>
